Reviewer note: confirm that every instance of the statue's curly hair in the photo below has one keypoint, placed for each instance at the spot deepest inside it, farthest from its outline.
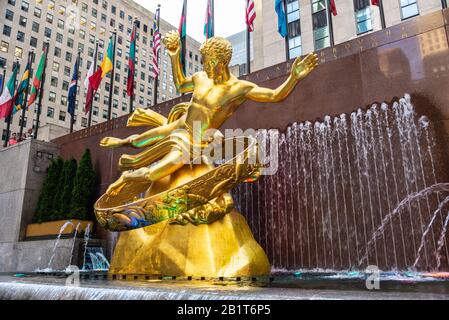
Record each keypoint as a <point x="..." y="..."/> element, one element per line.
<point x="217" y="47"/>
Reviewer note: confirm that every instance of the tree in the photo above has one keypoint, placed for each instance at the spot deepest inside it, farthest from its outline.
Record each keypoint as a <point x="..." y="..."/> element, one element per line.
<point x="64" y="196"/>
<point x="45" y="203"/>
<point x="83" y="186"/>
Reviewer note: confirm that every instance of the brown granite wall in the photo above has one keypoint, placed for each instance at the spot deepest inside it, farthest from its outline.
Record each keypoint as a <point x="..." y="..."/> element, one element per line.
<point x="412" y="57"/>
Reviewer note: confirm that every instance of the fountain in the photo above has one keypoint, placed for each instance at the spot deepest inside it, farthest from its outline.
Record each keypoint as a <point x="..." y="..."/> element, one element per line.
<point x="357" y="199"/>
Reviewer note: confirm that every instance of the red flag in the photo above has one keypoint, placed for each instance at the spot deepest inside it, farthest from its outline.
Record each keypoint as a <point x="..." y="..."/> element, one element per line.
<point x="333" y="7"/>
<point x="375" y="2"/>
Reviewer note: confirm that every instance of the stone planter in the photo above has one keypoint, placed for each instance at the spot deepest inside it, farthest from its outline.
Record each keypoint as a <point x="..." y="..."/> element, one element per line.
<point x="52" y="229"/>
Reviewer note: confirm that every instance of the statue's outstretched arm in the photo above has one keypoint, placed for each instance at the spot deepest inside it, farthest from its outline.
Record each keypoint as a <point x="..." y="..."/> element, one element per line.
<point x="173" y="44"/>
<point x="300" y="70"/>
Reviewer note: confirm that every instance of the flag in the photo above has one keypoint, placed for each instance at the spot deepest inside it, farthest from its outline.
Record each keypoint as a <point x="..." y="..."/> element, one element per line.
<point x="19" y="99"/>
<point x="250" y="15"/>
<point x="6" y="99"/>
<point x="73" y="88"/>
<point x="105" y="67"/>
<point x="90" y="89"/>
<point x="282" y="21"/>
<point x="375" y="2"/>
<point x="131" y="65"/>
<point x="333" y="7"/>
<point x="209" y="21"/>
<point x="156" y="45"/>
<point x="37" y="79"/>
<point x="183" y="35"/>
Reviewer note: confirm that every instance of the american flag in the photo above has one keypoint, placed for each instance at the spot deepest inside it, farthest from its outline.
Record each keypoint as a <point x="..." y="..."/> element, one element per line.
<point x="250" y="15"/>
<point x="156" y="44"/>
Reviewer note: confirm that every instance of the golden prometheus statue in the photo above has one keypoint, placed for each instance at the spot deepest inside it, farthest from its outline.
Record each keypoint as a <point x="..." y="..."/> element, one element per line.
<point x="171" y="200"/>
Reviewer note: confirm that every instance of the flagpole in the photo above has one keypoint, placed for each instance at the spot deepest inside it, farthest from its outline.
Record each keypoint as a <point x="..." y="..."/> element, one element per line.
<point x="30" y="76"/>
<point x="331" y="26"/>
<point x="248" y="50"/>
<point x="72" y="118"/>
<point x="131" y="97"/>
<point x="156" y="80"/>
<point x="444" y="4"/>
<point x="213" y="18"/>
<point x="92" y="98"/>
<point x="287" y="44"/>
<point x="184" y="42"/>
<point x="382" y="14"/>
<point x="41" y="89"/>
<point x="10" y="116"/>
<point x="111" y="89"/>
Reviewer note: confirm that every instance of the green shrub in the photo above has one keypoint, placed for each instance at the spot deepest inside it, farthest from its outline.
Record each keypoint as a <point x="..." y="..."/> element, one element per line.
<point x="83" y="187"/>
<point x="64" y="195"/>
<point x="45" y="205"/>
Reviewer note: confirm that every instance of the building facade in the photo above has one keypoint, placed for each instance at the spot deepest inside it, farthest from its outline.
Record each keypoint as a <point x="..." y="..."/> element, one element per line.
<point x="72" y="25"/>
<point x="239" y="61"/>
<point x="309" y="24"/>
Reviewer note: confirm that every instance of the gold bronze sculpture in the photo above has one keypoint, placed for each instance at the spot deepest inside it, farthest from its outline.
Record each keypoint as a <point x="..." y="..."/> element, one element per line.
<point x="177" y="206"/>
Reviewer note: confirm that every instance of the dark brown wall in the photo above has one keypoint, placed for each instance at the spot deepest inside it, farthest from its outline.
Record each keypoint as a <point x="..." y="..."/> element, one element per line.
<point x="412" y="57"/>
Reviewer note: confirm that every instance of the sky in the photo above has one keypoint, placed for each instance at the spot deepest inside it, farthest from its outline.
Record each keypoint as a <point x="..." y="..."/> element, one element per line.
<point x="229" y="15"/>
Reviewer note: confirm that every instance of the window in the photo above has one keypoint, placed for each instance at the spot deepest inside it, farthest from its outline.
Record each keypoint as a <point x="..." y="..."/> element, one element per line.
<point x="12" y="2"/>
<point x="55" y="67"/>
<point x="95" y="111"/>
<point x="59" y="37"/>
<point x="23" y="21"/>
<point x="47" y="32"/>
<point x="409" y="8"/>
<point x="293" y="28"/>
<point x="37" y="12"/>
<point x="64" y="103"/>
<point x="62" y="115"/>
<point x="20" y="36"/>
<point x="105" y="114"/>
<point x="33" y="42"/>
<point x="49" y="18"/>
<point x="320" y="27"/>
<point x="24" y="121"/>
<point x="57" y="52"/>
<point x="7" y="30"/>
<point x="4" y="47"/>
<point x="60" y="24"/>
<point x="54" y="82"/>
<point x="84" y="122"/>
<point x="9" y="15"/>
<point x="35" y="27"/>
<point x="52" y="97"/>
<point x="50" y="112"/>
<point x="25" y="5"/>
<point x="18" y="52"/>
<point x="363" y="16"/>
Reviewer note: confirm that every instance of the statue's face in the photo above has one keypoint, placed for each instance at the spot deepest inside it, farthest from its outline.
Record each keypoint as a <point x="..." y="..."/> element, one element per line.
<point x="212" y="66"/>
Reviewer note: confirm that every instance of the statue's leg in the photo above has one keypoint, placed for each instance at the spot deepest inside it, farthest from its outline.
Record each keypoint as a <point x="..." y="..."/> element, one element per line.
<point x="142" y="140"/>
<point x="164" y="167"/>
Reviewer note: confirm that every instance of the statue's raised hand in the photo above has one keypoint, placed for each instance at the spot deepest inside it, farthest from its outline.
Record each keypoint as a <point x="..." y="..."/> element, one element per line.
<point x="302" y="68"/>
<point x="172" y="42"/>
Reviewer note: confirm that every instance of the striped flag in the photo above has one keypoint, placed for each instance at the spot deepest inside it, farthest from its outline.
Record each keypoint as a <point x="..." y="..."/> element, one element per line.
<point x="183" y="35"/>
<point x="209" y="21"/>
<point x="250" y="15"/>
<point x="131" y="64"/>
<point x="73" y="88"/>
<point x="93" y="80"/>
<point x="156" y="44"/>
<point x="19" y="100"/>
<point x="37" y="79"/>
<point x="90" y="89"/>
<point x="6" y="99"/>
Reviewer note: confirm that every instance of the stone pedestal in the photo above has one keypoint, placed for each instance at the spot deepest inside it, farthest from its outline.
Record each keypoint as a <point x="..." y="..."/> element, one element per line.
<point x="225" y="248"/>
